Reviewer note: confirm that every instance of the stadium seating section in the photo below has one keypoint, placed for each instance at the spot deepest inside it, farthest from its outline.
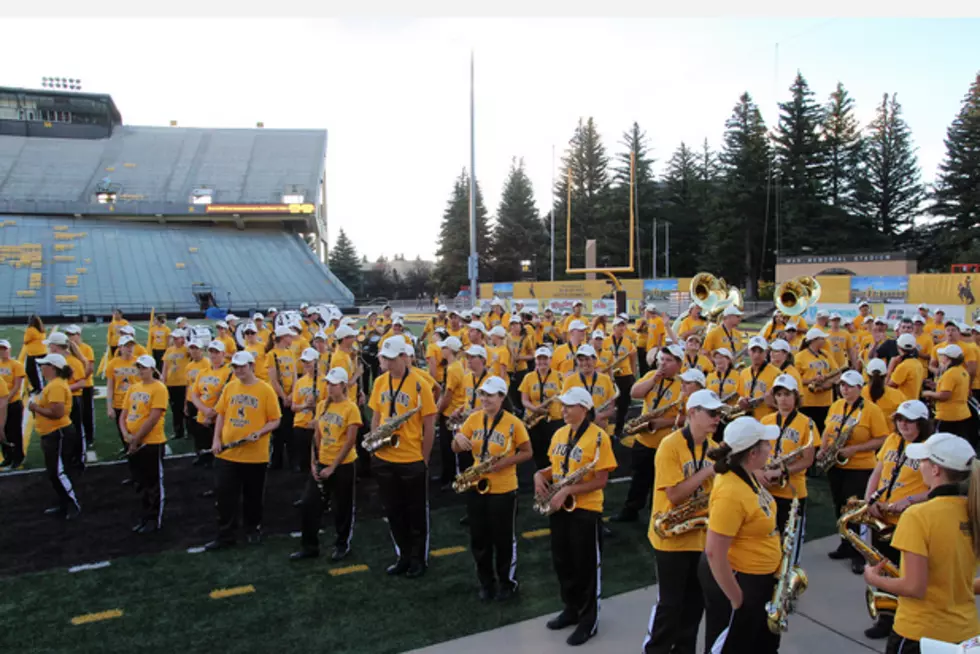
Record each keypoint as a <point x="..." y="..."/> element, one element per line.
<point x="61" y="266"/>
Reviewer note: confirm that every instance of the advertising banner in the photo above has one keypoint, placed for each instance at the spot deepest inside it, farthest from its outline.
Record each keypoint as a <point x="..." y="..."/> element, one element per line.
<point x="658" y="289"/>
<point x="880" y="289"/>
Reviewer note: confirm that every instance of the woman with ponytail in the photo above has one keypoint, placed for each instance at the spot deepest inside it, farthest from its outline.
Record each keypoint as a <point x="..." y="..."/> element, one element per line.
<point x="877" y="392"/>
<point x="906" y="372"/>
<point x="952" y="394"/>
<point x="940" y="543"/>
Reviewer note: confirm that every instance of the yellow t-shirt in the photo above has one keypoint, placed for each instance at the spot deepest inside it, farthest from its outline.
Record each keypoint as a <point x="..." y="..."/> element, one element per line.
<point x="908" y="376"/>
<point x="391" y="397"/>
<point x="810" y="365"/>
<point x="283" y="362"/>
<point x="592" y="445"/>
<point x="689" y="324"/>
<point x="77" y="372"/>
<point x="427" y="378"/>
<point x="471" y="384"/>
<point x="303" y="391"/>
<point x="938" y="529"/>
<point x="34" y="343"/>
<point x="926" y="347"/>
<point x="675" y="462"/>
<point x="531" y="384"/>
<point x="795" y="434"/>
<point x="113" y="334"/>
<point x="341" y="359"/>
<point x="839" y="343"/>
<point x="937" y="330"/>
<point x="208" y="387"/>
<point x="257" y="350"/>
<point x="433" y="351"/>
<point x="335" y="418"/>
<point x="246" y="409"/>
<point x="724" y="387"/>
<point x="747" y="515"/>
<point x="194" y="368"/>
<point x="506" y="436"/>
<point x="563" y="359"/>
<point x="666" y="392"/>
<point x="909" y="481"/>
<point x="720" y="336"/>
<point x="140" y="400"/>
<point x="698" y="362"/>
<point x="600" y="386"/>
<point x="499" y="361"/>
<point x="89" y="355"/>
<point x="159" y="336"/>
<point x="454" y="386"/>
<point x="123" y="373"/>
<point x="888" y="403"/>
<point x="869" y="423"/>
<point x="754" y="385"/>
<point x="656" y="333"/>
<point x="231" y="346"/>
<point x="11" y="370"/>
<point x="619" y="347"/>
<point x="956" y="380"/>
<point x="523" y="346"/>
<point x="4" y="389"/>
<point x="55" y="392"/>
<point x="176" y="359"/>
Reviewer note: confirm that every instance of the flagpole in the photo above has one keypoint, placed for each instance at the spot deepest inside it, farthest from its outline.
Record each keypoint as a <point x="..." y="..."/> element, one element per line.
<point x="473" y="266"/>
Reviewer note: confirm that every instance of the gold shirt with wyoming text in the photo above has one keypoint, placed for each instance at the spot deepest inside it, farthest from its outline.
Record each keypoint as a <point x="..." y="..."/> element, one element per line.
<point x="594" y="445"/>
<point x="508" y="434"/>
<point x="391" y="397"/>
<point x="246" y="408"/>
<point x="141" y="399"/>
<point x="334" y="420"/>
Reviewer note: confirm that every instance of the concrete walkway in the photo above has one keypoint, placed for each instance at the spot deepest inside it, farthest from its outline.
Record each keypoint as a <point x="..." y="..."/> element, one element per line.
<point x="830" y="619"/>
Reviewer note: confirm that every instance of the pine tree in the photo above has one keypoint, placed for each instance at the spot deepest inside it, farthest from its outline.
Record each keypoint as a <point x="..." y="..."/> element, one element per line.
<point x="644" y="203"/>
<point x="842" y="144"/>
<point x="453" y="249"/>
<point x="956" y="198"/>
<point x="345" y="264"/>
<point x="518" y="233"/>
<point x="682" y="204"/>
<point x="890" y="193"/>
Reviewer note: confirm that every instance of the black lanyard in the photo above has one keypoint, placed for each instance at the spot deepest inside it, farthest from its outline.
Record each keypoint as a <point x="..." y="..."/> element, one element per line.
<point x="693" y="365"/>
<point x="731" y="340"/>
<point x="755" y="378"/>
<point x="899" y="462"/>
<point x="394" y="393"/>
<point x="616" y="346"/>
<point x="660" y="394"/>
<point x="476" y="387"/>
<point x="741" y="473"/>
<point x="595" y="380"/>
<point x="485" y="452"/>
<point x="721" y="385"/>
<point x="857" y="405"/>
<point x="573" y="442"/>
<point x="689" y="439"/>
<point x="541" y="383"/>
<point x="782" y="428"/>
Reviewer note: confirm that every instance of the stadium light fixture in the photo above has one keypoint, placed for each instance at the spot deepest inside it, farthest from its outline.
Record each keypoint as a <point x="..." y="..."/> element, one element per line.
<point x="62" y="83"/>
<point x="293" y="198"/>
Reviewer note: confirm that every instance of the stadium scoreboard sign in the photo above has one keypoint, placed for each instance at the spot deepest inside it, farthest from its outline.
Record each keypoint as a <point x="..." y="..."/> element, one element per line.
<point x="306" y="208"/>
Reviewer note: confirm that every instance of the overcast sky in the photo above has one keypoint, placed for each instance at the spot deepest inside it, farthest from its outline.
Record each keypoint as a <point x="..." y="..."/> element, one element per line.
<point x="394" y="95"/>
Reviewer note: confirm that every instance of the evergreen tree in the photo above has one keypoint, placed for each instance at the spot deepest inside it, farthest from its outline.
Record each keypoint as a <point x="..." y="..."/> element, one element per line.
<point x="842" y="144"/>
<point x="518" y="233"/>
<point x="890" y="192"/>
<point x="345" y="264"/>
<point x="683" y="203"/>
<point x="644" y="204"/>
<point x="453" y="249"/>
<point x="956" y="198"/>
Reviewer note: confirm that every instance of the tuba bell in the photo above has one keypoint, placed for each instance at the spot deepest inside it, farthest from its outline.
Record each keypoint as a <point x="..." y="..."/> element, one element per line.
<point x="708" y="291"/>
<point x="792" y="298"/>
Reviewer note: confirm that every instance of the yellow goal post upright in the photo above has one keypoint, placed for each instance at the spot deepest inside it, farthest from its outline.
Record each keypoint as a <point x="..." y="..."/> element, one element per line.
<point x="610" y="272"/>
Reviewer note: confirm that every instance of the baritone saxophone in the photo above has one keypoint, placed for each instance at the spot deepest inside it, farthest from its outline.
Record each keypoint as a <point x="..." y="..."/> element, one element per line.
<point x="791" y="578"/>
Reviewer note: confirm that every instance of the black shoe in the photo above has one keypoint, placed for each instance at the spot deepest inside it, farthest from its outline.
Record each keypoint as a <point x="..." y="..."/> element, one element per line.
<point x="298" y="503"/>
<point x="839" y="554"/>
<point x="54" y="510"/>
<point x="857" y="566"/>
<point x="207" y="493"/>
<point x="254" y="537"/>
<point x="486" y="593"/>
<point x="216" y="545"/>
<point x="580" y="636"/>
<point x="464" y="521"/>
<point x="339" y="554"/>
<point x="304" y="554"/>
<point x="625" y="516"/>
<point x="138" y="526"/>
<point x="506" y="593"/>
<point x="6" y="463"/>
<point x="127" y="482"/>
<point x="562" y="620"/>
<point x="398" y="568"/>
<point x="415" y="570"/>
<point x="148" y="528"/>
<point x="881" y="629"/>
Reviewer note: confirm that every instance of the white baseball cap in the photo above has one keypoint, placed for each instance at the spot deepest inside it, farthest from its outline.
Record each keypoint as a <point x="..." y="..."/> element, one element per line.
<point x="250" y="327"/>
<point x="913" y="410"/>
<point x="852" y="378"/>
<point x="258" y="316"/>
<point x="919" y="319"/>
<point x="180" y="319"/>
<point x="498" y="331"/>
<point x="337" y="376"/>
<point x="704" y="399"/>
<point x="823" y="313"/>
<point x="780" y="345"/>
<point x="834" y="316"/>
<point x="4" y="343"/>
<point x="476" y="311"/>
<point x="759" y="342"/>
<point x="944" y="449"/>
<point x="56" y="360"/>
<point x="398" y="321"/>
<point x="478" y="326"/>
<point x="743" y="433"/>
<point x="880" y="320"/>
<point x="221" y="324"/>
<point x="442" y="308"/>
<point x="146" y="361"/>
<point x="303" y="305"/>
<point x="56" y="338"/>
<point x="272" y="310"/>
<point x="576" y="396"/>
<point x="343" y="332"/>
<point x="466" y="315"/>
<point x="231" y="317"/>
<point x="126" y="340"/>
<point x="217" y="346"/>
<point x="619" y="321"/>
<point x="309" y="354"/>
<point x="585" y="350"/>
<point x="674" y="350"/>
<point x="578" y="303"/>
<point x="725" y="352"/>
<point x="863" y="303"/>
<point x="242" y="358"/>
<point x="692" y="375"/>
<point x="952" y="351"/>
<point x="598" y="334"/>
<point x="514" y="319"/>
<point x="178" y="333"/>
<point x="877" y="366"/>
<point x="494" y="386"/>
<point x="731" y="310"/>
<point x="907" y="342"/>
<point x="576" y="324"/>
<point x="791" y="326"/>
<point x="477" y="351"/>
<point x="73" y="329"/>
<point x="496" y="302"/>
<point x="452" y="343"/>
<point x="195" y="343"/>
<point x="542" y="352"/>
<point x="652" y="308"/>
<point x="923" y="306"/>
<point x="392" y="348"/>
<point x="786" y="381"/>
<point x="127" y="329"/>
<point x="322" y="335"/>
<point x="283" y="330"/>
<point x="814" y="333"/>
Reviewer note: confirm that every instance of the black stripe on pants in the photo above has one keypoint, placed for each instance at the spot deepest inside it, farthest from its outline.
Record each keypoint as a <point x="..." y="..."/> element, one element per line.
<point x="281" y="438"/>
<point x="178" y="397"/>
<point x="302" y="438"/>
<point x="493" y="538"/>
<point x="238" y="486"/>
<point x="642" y="483"/>
<point x="13" y="449"/>
<point x="845" y="483"/>
<point x="88" y="415"/>
<point x="147" y="466"/>
<point x="675" y="618"/>
<point x="782" y="515"/>
<point x="745" y="630"/>
<point x="447" y="457"/>
<point x="338" y="492"/>
<point x="33" y="372"/>
<point x="900" y="645"/>
<point x="56" y="452"/>
<point x="624" y="383"/>
<point x="576" y="551"/>
<point x="540" y="436"/>
<point x="405" y="496"/>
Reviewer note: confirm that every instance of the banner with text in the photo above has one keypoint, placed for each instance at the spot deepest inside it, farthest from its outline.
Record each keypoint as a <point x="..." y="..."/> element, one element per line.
<point x="879" y="289"/>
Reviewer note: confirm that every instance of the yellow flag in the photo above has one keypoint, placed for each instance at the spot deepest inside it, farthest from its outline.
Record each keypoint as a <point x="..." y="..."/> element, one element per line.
<point x="149" y="332"/>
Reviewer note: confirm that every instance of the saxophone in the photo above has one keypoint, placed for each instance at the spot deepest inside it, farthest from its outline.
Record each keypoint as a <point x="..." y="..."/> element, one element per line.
<point x="685" y="517"/>
<point x="830" y="456"/>
<point x="385" y="436"/>
<point x="784" y="462"/>
<point x="641" y="422"/>
<point x="531" y="420"/>
<point x="814" y="387"/>
<point x="542" y="503"/>
<point x="608" y="403"/>
<point x="475" y="475"/>
<point x="614" y="364"/>
<point x="856" y="512"/>
<point x="456" y="420"/>
<point x="791" y="578"/>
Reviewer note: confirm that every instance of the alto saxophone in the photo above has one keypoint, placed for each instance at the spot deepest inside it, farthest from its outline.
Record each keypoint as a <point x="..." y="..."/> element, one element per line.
<point x="878" y="602"/>
<point x="542" y="503"/>
<point x="532" y="420"/>
<point x="641" y="422"/>
<point x="784" y="462"/>
<point x="683" y="518"/>
<point x="608" y="403"/>
<point x="814" y="387"/>
<point x="475" y="475"/>
<point x="384" y="435"/>
<point x="791" y="578"/>
<point x="830" y="456"/>
<point x="614" y="364"/>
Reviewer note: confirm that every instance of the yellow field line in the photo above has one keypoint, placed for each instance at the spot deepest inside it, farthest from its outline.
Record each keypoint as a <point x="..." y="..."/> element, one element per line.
<point x="96" y="617"/>
<point x="336" y="572"/>
<point x="446" y="551"/>
<point x="536" y="533"/>
<point x="221" y="593"/>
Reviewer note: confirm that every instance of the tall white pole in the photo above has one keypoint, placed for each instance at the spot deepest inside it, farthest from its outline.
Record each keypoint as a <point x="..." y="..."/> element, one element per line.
<point x="552" y="212"/>
<point x="667" y="254"/>
<point x="653" y="260"/>
<point x="474" y="273"/>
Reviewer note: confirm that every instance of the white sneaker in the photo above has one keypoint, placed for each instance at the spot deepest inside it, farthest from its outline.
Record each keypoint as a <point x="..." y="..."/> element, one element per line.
<point x="91" y="456"/>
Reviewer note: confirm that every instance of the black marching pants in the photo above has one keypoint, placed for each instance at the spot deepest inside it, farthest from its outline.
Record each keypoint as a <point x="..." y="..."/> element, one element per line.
<point x="514" y="392"/>
<point x="282" y="439"/>
<point x="641" y="359"/>
<point x="238" y="485"/>
<point x="540" y="437"/>
<point x="363" y="456"/>
<point x="966" y="429"/>
<point x="818" y="414"/>
<point x="404" y="492"/>
<point x="302" y="439"/>
<point x="675" y="618"/>
<point x="33" y="372"/>
<point x="624" y="383"/>
<point x="576" y="551"/>
<point x="846" y="483"/>
<point x="745" y="630"/>
<point x="900" y="645"/>
<point x="57" y="452"/>
<point x="178" y="398"/>
<point x="13" y="450"/>
<point x="203" y="435"/>
<point x="447" y="458"/>
<point x="895" y="557"/>
<point x="782" y="515"/>
<point x="493" y="537"/>
<point x="337" y="492"/>
<point x="147" y="466"/>
<point x="158" y="357"/>
<point x="78" y="445"/>
<point x="642" y="483"/>
<point x="88" y="415"/>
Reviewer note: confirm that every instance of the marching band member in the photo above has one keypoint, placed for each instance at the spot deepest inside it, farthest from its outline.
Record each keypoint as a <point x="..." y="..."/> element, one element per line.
<point x="640" y="329"/>
<point x="815" y="368"/>
<point x="656" y="328"/>
<point x="452" y="399"/>
<point x="907" y="372"/>
<point x="521" y="341"/>
<point x="602" y="354"/>
<point x="141" y="424"/>
<point x="12" y="376"/>
<point x="174" y="375"/>
<point x="578" y="307"/>
<point x="781" y="356"/>
<point x="247" y="409"/>
<point x="539" y="387"/>
<point x="308" y="390"/>
<point x="120" y="373"/>
<point x="87" y="402"/>
<point x="547" y="330"/>
<point x="954" y="336"/>
<point x="458" y="328"/>
<point x="727" y="333"/>
<point x="620" y="344"/>
<point x="159" y="339"/>
<point x="693" y="324"/>
<point x="693" y="359"/>
<point x="498" y="355"/>
<point x="599" y="386"/>
<point x="280" y="361"/>
<point x="865" y="316"/>
<point x="433" y="352"/>
<point x="755" y="381"/>
<point x="34" y="349"/>
<point x="897" y="484"/>
<point x="937" y="328"/>
<point x="952" y="393"/>
<point x="877" y="392"/>
<point x="262" y="330"/>
<point x="441" y="319"/>
<point x="344" y="356"/>
<point x="494" y="432"/>
<point x="195" y="365"/>
<point x="397" y="331"/>
<point x="51" y="407"/>
<point x="204" y="395"/>
<point x="226" y="337"/>
<point x="58" y="343"/>
<point x="576" y="536"/>
<point x="332" y="480"/>
<point x="401" y="471"/>
<point x="924" y="340"/>
<point x="723" y="380"/>
<point x="682" y="475"/>
<point x="129" y="330"/>
<point x="868" y="430"/>
<point x="498" y="314"/>
<point x="797" y="431"/>
<point x="940" y="543"/>
<point x="255" y="343"/>
<point x="563" y="358"/>
<point x="476" y="333"/>
<point x="839" y="342"/>
<point x="114" y="331"/>
<point x="658" y="389"/>
<point x="692" y="381"/>
<point x="742" y="550"/>
<point x="793" y="336"/>
<point x="299" y="342"/>
<point x="771" y="330"/>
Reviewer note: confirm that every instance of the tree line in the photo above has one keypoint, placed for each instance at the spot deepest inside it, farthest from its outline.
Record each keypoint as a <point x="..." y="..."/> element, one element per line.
<point x="818" y="181"/>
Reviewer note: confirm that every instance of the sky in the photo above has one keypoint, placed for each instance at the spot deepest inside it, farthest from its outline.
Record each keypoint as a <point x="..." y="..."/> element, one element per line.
<point x="394" y="93"/>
